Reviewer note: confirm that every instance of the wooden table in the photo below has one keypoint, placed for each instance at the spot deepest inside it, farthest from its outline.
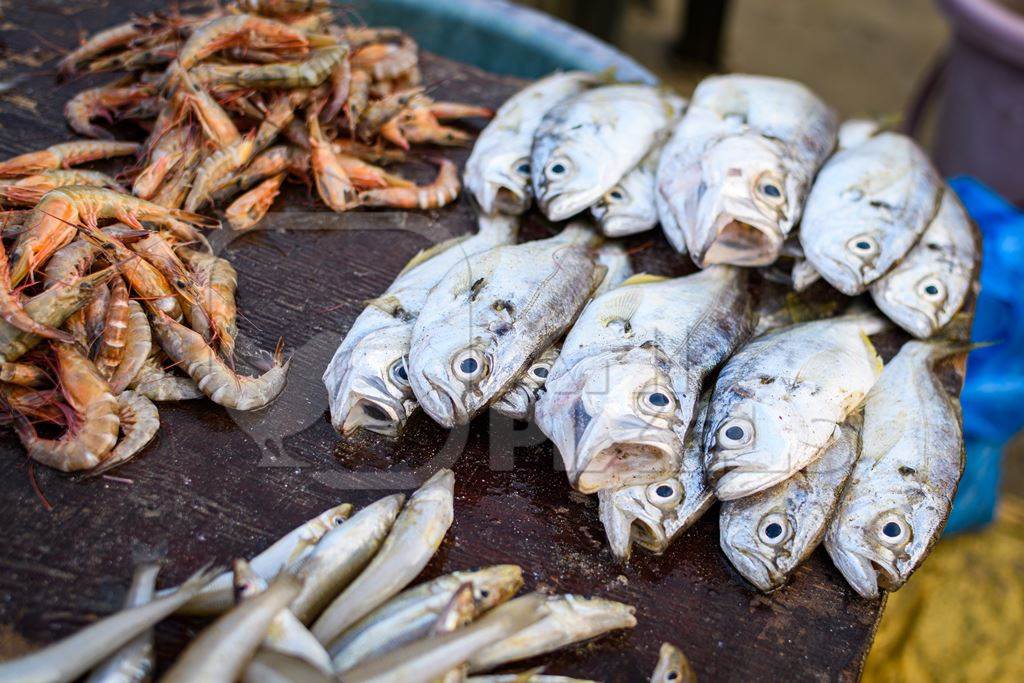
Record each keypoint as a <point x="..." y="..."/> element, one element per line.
<point x="216" y="485"/>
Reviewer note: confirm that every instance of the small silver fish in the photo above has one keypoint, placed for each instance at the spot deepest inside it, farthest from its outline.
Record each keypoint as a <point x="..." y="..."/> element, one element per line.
<point x="586" y="144"/>
<point x="868" y="207"/>
<point x="367" y="380"/>
<point x="780" y="400"/>
<point x="498" y="169"/>
<point x="673" y="666"/>
<point x="484" y="325"/>
<point x="901" y="491"/>
<point x="622" y="394"/>
<point x="767" y="535"/>
<point x="629" y="206"/>
<point x="653" y="515"/>
<point x="134" y="662"/>
<point x="924" y="291"/>
<point x="733" y="178"/>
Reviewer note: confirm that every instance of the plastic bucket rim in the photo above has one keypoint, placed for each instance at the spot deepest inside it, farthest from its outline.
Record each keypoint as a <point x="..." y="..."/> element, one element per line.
<point x="989" y="27"/>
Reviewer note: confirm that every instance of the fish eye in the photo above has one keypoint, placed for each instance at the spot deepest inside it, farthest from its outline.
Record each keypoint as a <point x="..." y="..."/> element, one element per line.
<point x="484" y="593"/>
<point x="615" y="195"/>
<point x="665" y="494"/>
<point x="558" y="168"/>
<point x="863" y="246"/>
<point x="735" y="433"/>
<point x="769" y="188"/>
<point x="337" y="520"/>
<point x="657" y="401"/>
<point x="774" y="529"/>
<point x="522" y="167"/>
<point x="539" y="371"/>
<point x="469" y="365"/>
<point x="931" y="289"/>
<point x="398" y="372"/>
<point x="893" y="530"/>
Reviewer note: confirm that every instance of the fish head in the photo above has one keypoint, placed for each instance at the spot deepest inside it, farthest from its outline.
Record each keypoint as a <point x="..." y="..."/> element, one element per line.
<point x="501" y="182"/>
<point x="494" y="585"/>
<point x="625" y="209"/>
<point x="922" y="299"/>
<point x="747" y="203"/>
<point x="374" y="392"/>
<point x="519" y="401"/>
<point x="246" y="583"/>
<point x="762" y="540"/>
<point x="638" y="514"/>
<point x="848" y="255"/>
<point x="570" y="179"/>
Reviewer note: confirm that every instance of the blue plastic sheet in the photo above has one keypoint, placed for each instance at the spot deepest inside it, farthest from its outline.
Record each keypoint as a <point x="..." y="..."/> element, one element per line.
<point x="993" y="396"/>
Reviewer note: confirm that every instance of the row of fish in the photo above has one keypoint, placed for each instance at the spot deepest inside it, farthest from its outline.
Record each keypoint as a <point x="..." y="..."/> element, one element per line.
<point x="328" y="602"/>
<point x="731" y="176"/>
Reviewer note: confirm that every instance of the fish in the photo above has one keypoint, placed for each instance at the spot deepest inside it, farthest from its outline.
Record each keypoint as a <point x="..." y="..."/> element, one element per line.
<point x="427" y="658"/>
<point x="526" y="677"/>
<point x="492" y="317"/>
<point x="767" y="535"/>
<point x="68" y="659"/>
<point x="912" y="456"/>
<point x="652" y="515"/>
<point x="498" y="169"/>
<point x="623" y="392"/>
<point x="340" y="555"/>
<point x="673" y="666"/>
<point x="733" y="178"/>
<point x="519" y="401"/>
<point x="868" y="207"/>
<point x="925" y="290"/>
<point x="367" y="380"/>
<point x="629" y="206"/>
<point x="570" y="619"/>
<point x="268" y="666"/>
<point x="218" y="596"/>
<point x="410" y="615"/>
<point x="586" y="144"/>
<point x="780" y="400"/>
<point x="134" y="662"/>
<point x="414" y="538"/>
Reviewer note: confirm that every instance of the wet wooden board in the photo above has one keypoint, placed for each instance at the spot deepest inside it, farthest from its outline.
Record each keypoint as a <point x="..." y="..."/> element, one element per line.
<point x="217" y="485"/>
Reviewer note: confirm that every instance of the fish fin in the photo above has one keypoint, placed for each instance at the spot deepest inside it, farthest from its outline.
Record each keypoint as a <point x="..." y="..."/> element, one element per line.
<point x="388" y="303"/>
<point x="620" y="308"/>
<point x="872" y="352"/>
<point x="600" y="271"/>
<point x="430" y="252"/>
<point x="804" y="275"/>
<point x="643" y="279"/>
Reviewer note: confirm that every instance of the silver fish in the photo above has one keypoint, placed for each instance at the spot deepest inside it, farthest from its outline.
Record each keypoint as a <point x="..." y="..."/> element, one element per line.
<point x="924" y="291"/>
<point x="629" y="206"/>
<point x="570" y="619"/>
<point x="498" y="169"/>
<point x="780" y="400"/>
<point x="488" y="320"/>
<point x="868" y="207"/>
<point x="133" y="663"/>
<point x="853" y="132"/>
<point x="733" y="178"/>
<point x="519" y="401"/>
<point x="586" y="144"/>
<point x="622" y="394"/>
<point x="902" y="488"/>
<point x="653" y="515"/>
<point x="673" y="666"/>
<point x="767" y="535"/>
<point x="367" y="380"/>
<point x="526" y="677"/>
<point x="273" y="667"/>
<point x="413" y="540"/>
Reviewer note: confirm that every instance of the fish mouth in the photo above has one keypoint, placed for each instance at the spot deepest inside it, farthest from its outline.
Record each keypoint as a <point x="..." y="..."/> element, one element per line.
<point x="848" y="280"/>
<point x="733" y="480"/>
<point x="757" y="570"/>
<point x="442" y="403"/>
<point x="620" y="225"/>
<point x="361" y="405"/>
<point x="741" y="242"/>
<point x="867" y="572"/>
<point x="626" y="522"/>
<point x="618" y="463"/>
<point x="563" y="205"/>
<point x="517" y="403"/>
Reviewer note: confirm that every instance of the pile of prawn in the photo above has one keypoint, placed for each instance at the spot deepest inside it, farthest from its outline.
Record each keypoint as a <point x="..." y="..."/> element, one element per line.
<point x="111" y="298"/>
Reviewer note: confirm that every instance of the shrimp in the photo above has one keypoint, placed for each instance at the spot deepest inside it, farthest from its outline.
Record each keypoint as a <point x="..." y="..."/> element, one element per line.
<point x="275" y="160"/>
<point x="94" y="313"/>
<point x="102" y="102"/>
<point x="418" y="125"/>
<point x="216" y="123"/>
<point x="381" y="111"/>
<point x="156" y="384"/>
<point x="24" y="375"/>
<point x="250" y="208"/>
<point x="239" y="30"/>
<point x="140" y="421"/>
<point x="115" y="330"/>
<point x="457" y="110"/>
<point x="367" y="176"/>
<point x="11" y="309"/>
<point x="93" y="434"/>
<point x="213" y="377"/>
<point x="66" y="154"/>
<point x="220" y="282"/>
<point x="137" y="59"/>
<point x="444" y="189"/>
<point x="375" y="154"/>
<point x="175" y="189"/>
<point x="358" y="98"/>
<point x="280" y="114"/>
<point x="137" y="345"/>
<point x="167" y="151"/>
<point x="282" y="8"/>
<point x="40" y="405"/>
<point x="387" y="60"/>
<point x="69" y="262"/>
<point x="218" y="166"/>
<point x="155" y="249"/>
<point x="341" y="80"/>
<point x="30" y="190"/>
<point x="115" y="36"/>
<point x="332" y="183"/>
<point x="144" y="279"/>
<point x="308" y="73"/>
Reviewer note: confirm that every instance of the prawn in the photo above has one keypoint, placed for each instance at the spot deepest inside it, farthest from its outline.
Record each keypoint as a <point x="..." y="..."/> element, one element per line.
<point x="115" y="330"/>
<point x="156" y="384"/>
<point x="140" y="421"/>
<point x="115" y="36"/>
<point x="341" y="80"/>
<point x="137" y="345"/>
<point x="387" y="60"/>
<point x="219" y="282"/>
<point x="30" y="189"/>
<point x="89" y="438"/>
<point x="144" y="279"/>
<point x="275" y="160"/>
<point x="237" y="30"/>
<point x="137" y="59"/>
<point x="11" y="309"/>
<point x="282" y="8"/>
<point x="250" y="208"/>
<point x="66" y="154"/>
<point x="216" y="123"/>
<point x="41" y="405"/>
<point x="358" y="98"/>
<point x="216" y="167"/>
<point x="308" y="73"/>
<point x="383" y="110"/>
<point x="419" y="125"/>
<point x="332" y="182"/>
<point x="102" y="102"/>
<point x="167" y="151"/>
<point x="213" y="377"/>
<point x="94" y="313"/>
<point x="443" y="190"/>
<point x="24" y="375"/>
<point x="69" y="262"/>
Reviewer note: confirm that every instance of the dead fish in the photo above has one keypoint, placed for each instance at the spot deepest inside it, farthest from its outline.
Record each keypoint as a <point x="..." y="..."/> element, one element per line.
<point x="780" y="400"/>
<point x="734" y="176"/>
<point x="410" y="615"/>
<point x="66" y="660"/>
<point x="629" y="206"/>
<point x="427" y="658"/>
<point x="526" y="677"/>
<point x="273" y="667"/>
<point x="652" y="515"/>
<point x="483" y="326"/>
<point x="853" y="132"/>
<point x="767" y="535"/>
<point x="133" y="663"/>
<point x="519" y="401"/>
<point x="570" y="619"/>
<point x="498" y="170"/>
<point x="586" y="144"/>
<point x="218" y="596"/>
<point x="622" y="394"/>
<point x="413" y="540"/>
<point x="902" y="488"/>
<point x="673" y="666"/>
<point x="924" y="291"/>
<point x="367" y="380"/>
<point x="868" y="207"/>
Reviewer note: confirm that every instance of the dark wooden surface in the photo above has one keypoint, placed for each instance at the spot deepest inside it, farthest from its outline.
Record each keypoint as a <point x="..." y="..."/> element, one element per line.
<point x="217" y="485"/>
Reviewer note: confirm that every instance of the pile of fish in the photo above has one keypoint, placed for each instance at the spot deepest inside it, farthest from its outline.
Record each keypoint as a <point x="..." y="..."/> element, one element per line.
<point x="112" y="299"/>
<point x="663" y="395"/>
<point x="329" y="602"/>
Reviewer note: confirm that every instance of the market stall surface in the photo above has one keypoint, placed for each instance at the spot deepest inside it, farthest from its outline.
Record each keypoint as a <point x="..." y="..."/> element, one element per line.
<point x="216" y="484"/>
